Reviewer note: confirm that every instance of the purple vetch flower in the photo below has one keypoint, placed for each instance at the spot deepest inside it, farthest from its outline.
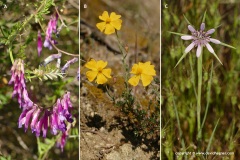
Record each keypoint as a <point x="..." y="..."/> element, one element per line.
<point x="68" y="64"/>
<point x="25" y="117"/>
<point x="42" y="124"/>
<point x="19" y="88"/>
<point x="200" y="39"/>
<point x="67" y="105"/>
<point x="52" y="27"/>
<point x="62" y="140"/>
<point x="35" y="119"/>
<point x="51" y="58"/>
<point x="61" y="113"/>
<point x="39" y="43"/>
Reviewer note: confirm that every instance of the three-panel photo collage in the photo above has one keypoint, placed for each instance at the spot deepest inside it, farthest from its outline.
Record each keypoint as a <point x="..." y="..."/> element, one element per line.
<point x="119" y="80"/>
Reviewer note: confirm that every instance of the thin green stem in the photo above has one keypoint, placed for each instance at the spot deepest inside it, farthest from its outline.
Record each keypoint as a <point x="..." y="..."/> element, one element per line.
<point x="208" y="98"/>
<point x="126" y="75"/>
<point x="11" y="54"/>
<point x="193" y="76"/>
<point x="199" y="69"/>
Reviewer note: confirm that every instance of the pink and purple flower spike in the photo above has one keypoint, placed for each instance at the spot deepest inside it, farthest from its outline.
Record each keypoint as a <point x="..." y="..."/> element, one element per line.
<point x="200" y="39"/>
<point x="51" y="28"/>
<point x="18" y="81"/>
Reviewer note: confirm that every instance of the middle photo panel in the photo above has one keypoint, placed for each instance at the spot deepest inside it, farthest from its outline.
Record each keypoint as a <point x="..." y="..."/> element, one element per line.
<point x="120" y="79"/>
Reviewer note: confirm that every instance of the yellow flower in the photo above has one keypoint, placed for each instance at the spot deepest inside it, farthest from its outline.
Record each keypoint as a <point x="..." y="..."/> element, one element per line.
<point x="110" y="23"/>
<point x="144" y="71"/>
<point x="97" y="70"/>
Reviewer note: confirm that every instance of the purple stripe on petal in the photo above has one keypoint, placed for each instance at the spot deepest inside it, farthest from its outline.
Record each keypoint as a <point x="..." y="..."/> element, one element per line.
<point x="190" y="47"/>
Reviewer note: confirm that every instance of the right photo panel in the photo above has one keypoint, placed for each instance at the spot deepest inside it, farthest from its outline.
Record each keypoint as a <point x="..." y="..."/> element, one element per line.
<point x="200" y="91"/>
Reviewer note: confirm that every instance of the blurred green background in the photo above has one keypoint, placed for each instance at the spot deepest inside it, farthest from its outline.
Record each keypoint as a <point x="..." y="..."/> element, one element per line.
<point x="177" y="83"/>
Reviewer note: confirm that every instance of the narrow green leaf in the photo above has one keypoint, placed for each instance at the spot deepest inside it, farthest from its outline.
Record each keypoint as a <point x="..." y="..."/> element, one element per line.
<point x="179" y="34"/>
<point x="184" y="55"/>
<point x="226" y="45"/>
<point x="211" y="138"/>
<point x="204" y="17"/>
<point x="217" y="58"/>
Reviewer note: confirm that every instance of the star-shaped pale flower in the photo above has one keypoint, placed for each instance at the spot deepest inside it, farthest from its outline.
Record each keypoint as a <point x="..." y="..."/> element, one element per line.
<point x="200" y="39"/>
<point x="110" y="23"/>
<point x="144" y="71"/>
<point x="97" y="70"/>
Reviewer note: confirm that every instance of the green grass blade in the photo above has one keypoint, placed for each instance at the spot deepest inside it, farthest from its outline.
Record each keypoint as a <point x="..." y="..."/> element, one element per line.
<point x="184" y="55"/>
<point x="226" y="45"/>
<point x="211" y="138"/>
<point x="179" y="34"/>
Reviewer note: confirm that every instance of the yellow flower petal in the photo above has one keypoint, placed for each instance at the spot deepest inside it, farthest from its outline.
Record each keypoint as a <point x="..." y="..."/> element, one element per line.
<point x="101" y="79"/>
<point x="114" y="16"/>
<point x="104" y="16"/>
<point x="116" y="24"/>
<point x="101" y="26"/>
<point x="109" y="29"/>
<point x="92" y="64"/>
<point x="101" y="64"/>
<point x="134" y="80"/>
<point x="107" y="73"/>
<point x="149" y="69"/>
<point x="134" y="69"/>
<point x="146" y="79"/>
<point x="91" y="75"/>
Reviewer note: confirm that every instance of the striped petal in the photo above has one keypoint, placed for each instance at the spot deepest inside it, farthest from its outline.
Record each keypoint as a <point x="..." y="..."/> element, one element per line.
<point x="199" y="50"/>
<point x="211" y="31"/>
<point x="202" y="27"/>
<point x="209" y="47"/>
<point x="215" y="41"/>
<point x="189" y="48"/>
<point x="187" y="37"/>
<point x="191" y="28"/>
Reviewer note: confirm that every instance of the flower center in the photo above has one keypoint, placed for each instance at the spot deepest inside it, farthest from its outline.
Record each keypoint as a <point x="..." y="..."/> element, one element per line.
<point x="200" y="38"/>
<point x="108" y="20"/>
<point x="100" y="70"/>
<point x="139" y="71"/>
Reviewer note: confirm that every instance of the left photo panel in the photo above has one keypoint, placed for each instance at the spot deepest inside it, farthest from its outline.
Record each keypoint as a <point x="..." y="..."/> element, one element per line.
<point x="39" y="79"/>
